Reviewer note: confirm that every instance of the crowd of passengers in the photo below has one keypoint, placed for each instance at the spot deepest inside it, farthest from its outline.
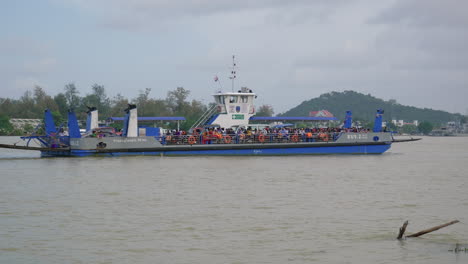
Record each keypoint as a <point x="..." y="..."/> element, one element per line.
<point x="249" y="135"/>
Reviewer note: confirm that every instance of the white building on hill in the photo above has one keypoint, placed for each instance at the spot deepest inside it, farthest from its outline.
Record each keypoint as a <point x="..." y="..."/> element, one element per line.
<point x="400" y="123"/>
<point x="20" y="123"/>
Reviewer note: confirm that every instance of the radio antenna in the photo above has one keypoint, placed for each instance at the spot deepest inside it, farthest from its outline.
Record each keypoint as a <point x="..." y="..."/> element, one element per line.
<point x="233" y="72"/>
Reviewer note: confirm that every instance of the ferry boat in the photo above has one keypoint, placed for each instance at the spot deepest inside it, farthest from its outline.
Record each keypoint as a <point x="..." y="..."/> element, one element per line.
<point x="232" y="109"/>
<point x="217" y="132"/>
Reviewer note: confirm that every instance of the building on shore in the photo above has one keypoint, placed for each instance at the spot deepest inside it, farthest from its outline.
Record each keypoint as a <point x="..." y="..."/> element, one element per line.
<point x="400" y="123"/>
<point x="320" y="113"/>
<point x="21" y="123"/>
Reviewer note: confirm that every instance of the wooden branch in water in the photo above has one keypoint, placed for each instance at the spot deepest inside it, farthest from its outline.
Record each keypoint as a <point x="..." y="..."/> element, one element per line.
<point x="402" y="230"/>
<point x="420" y="233"/>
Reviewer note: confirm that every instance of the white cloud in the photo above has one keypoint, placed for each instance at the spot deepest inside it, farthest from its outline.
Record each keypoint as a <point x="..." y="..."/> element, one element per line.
<point x="425" y="13"/>
<point x="288" y="51"/>
<point x="149" y="14"/>
<point x="41" y="65"/>
<point x="24" y="84"/>
<point x="25" y="62"/>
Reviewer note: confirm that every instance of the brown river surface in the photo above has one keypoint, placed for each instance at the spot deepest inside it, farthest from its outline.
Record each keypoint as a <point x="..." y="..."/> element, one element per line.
<point x="292" y="209"/>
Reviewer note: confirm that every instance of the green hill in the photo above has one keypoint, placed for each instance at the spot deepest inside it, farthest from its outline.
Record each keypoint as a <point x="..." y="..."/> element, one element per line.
<point x="364" y="108"/>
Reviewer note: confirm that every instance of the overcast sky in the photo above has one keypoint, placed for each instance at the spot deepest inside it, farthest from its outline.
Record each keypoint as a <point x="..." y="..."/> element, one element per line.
<point x="288" y="51"/>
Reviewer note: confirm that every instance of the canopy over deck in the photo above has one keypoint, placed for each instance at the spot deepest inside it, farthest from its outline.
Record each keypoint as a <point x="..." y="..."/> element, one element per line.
<point x="151" y="118"/>
<point x="291" y="118"/>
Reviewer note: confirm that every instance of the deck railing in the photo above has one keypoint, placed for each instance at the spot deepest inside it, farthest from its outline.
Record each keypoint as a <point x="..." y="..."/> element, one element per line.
<point x="246" y="139"/>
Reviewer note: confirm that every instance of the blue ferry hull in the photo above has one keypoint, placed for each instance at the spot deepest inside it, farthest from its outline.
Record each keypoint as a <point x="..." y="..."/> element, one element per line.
<point x="356" y="149"/>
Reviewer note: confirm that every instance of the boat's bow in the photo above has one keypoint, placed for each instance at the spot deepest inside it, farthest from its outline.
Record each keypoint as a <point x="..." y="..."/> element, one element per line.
<point x="14" y="146"/>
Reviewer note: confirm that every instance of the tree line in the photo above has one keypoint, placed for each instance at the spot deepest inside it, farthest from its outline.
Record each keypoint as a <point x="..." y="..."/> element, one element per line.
<point x="364" y="106"/>
<point x="33" y="103"/>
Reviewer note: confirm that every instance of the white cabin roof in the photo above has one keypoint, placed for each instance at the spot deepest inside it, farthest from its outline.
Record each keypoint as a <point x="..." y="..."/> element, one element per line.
<point x="233" y="93"/>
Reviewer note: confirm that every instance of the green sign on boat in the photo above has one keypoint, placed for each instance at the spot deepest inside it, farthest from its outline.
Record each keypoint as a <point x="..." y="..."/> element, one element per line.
<point x="237" y="117"/>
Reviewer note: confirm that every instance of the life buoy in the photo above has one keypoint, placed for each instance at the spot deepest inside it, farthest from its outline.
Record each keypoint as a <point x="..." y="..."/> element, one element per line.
<point x="227" y="139"/>
<point x="295" y="138"/>
<point x="325" y="137"/>
<point x="192" y="140"/>
<point x="261" y="138"/>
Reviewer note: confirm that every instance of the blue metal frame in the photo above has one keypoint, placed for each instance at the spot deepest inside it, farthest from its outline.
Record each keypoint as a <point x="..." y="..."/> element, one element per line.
<point x="212" y="119"/>
<point x="360" y="149"/>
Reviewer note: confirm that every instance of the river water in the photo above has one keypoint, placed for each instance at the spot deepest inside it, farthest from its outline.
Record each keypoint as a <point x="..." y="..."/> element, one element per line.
<point x="293" y="209"/>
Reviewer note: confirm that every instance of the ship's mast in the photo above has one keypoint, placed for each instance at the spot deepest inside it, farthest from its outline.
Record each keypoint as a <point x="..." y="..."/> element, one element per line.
<point x="233" y="72"/>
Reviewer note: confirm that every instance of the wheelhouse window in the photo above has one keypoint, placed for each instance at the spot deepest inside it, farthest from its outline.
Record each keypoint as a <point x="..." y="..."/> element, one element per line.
<point x="233" y="99"/>
<point x="244" y="99"/>
<point x="220" y="99"/>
